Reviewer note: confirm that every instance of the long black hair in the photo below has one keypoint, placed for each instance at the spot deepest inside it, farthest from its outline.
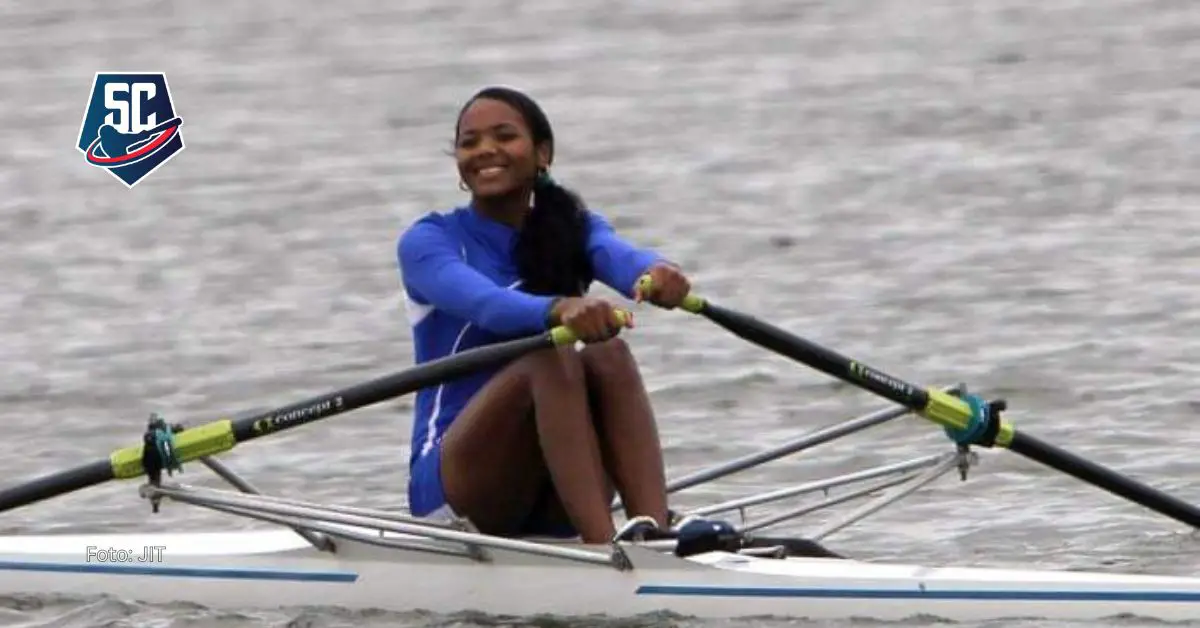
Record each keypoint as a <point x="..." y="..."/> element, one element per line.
<point x="551" y="247"/>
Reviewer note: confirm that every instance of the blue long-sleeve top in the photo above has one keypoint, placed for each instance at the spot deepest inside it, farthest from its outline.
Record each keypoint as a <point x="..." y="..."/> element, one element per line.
<point x="460" y="284"/>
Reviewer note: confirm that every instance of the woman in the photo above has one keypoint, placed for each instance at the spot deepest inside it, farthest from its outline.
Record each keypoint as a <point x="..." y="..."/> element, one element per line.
<point x="535" y="447"/>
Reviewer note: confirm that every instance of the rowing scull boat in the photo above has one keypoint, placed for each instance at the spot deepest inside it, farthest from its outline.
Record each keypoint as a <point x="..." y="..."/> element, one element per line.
<point x="372" y="559"/>
<point x="277" y="568"/>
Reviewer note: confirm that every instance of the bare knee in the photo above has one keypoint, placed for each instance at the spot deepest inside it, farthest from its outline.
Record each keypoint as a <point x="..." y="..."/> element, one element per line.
<point x="611" y="358"/>
<point x="560" y="366"/>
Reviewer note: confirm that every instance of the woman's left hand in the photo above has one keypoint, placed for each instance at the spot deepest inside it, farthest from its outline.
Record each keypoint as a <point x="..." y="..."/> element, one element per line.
<point x="668" y="286"/>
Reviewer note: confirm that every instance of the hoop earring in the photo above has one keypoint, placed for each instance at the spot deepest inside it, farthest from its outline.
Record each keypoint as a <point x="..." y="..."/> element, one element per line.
<point x="462" y="185"/>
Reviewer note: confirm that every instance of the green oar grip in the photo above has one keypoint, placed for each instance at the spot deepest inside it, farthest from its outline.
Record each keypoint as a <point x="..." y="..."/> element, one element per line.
<point x="563" y="335"/>
<point x="691" y="302"/>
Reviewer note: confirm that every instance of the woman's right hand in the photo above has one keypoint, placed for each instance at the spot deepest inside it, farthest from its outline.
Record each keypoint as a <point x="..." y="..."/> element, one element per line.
<point x="591" y="319"/>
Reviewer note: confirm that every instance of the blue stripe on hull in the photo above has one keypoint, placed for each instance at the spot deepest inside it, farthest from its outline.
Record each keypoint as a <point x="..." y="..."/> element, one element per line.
<point x="921" y="594"/>
<point x="219" y="573"/>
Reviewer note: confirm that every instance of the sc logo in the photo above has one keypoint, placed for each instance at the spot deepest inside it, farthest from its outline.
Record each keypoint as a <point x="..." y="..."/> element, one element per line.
<point x="126" y="111"/>
<point x="130" y="126"/>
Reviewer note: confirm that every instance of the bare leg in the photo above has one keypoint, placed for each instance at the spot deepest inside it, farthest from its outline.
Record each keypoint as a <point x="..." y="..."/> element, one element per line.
<point x="626" y="426"/>
<point x="549" y="517"/>
<point x="495" y="456"/>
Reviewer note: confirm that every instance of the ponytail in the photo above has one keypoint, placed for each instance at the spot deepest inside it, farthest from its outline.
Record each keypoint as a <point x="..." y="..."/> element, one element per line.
<point x="551" y="246"/>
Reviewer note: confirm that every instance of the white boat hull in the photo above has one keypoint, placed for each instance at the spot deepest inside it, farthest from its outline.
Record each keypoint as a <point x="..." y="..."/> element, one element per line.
<point x="276" y="568"/>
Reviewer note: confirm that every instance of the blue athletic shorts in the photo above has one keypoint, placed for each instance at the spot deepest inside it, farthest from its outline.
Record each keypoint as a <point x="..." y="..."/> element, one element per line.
<point x="427" y="499"/>
<point x="425" y="495"/>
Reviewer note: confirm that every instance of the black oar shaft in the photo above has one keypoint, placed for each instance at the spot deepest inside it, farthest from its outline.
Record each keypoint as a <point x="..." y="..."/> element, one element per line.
<point x="59" y="483"/>
<point x="384" y="388"/>
<point x="287" y="417"/>
<point x="1057" y="458"/>
<point x="917" y="398"/>
<point x="817" y="357"/>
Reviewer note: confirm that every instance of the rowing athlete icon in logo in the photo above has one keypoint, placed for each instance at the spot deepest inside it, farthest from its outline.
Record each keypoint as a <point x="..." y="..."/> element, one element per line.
<point x="121" y="130"/>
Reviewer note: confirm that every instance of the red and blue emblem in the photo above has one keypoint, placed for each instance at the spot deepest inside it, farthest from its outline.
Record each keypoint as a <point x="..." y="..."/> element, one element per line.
<point x="130" y="127"/>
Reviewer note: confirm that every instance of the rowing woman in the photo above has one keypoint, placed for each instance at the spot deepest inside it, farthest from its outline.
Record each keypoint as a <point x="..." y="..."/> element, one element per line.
<point x="536" y="447"/>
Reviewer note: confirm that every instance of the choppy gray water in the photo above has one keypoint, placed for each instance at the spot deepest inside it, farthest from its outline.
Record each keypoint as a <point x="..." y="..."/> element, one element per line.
<point x="999" y="192"/>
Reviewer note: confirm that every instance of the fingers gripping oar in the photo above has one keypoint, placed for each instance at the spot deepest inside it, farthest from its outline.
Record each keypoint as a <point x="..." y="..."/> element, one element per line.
<point x="169" y="449"/>
<point x="969" y="420"/>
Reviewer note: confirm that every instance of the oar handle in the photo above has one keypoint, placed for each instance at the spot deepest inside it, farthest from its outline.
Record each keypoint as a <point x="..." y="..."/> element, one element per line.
<point x="691" y="303"/>
<point x="563" y="335"/>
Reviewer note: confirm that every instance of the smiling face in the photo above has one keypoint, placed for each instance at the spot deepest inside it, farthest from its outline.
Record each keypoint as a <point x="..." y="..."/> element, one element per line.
<point x="495" y="150"/>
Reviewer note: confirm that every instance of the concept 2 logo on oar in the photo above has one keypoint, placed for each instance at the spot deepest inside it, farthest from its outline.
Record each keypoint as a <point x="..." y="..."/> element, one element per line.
<point x="130" y="127"/>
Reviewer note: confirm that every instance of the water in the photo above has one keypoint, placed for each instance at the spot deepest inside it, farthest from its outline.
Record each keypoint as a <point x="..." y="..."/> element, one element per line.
<point x="997" y="192"/>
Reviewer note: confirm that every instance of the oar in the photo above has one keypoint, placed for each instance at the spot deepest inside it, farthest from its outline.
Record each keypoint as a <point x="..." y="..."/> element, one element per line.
<point x="222" y="435"/>
<point x="937" y="406"/>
